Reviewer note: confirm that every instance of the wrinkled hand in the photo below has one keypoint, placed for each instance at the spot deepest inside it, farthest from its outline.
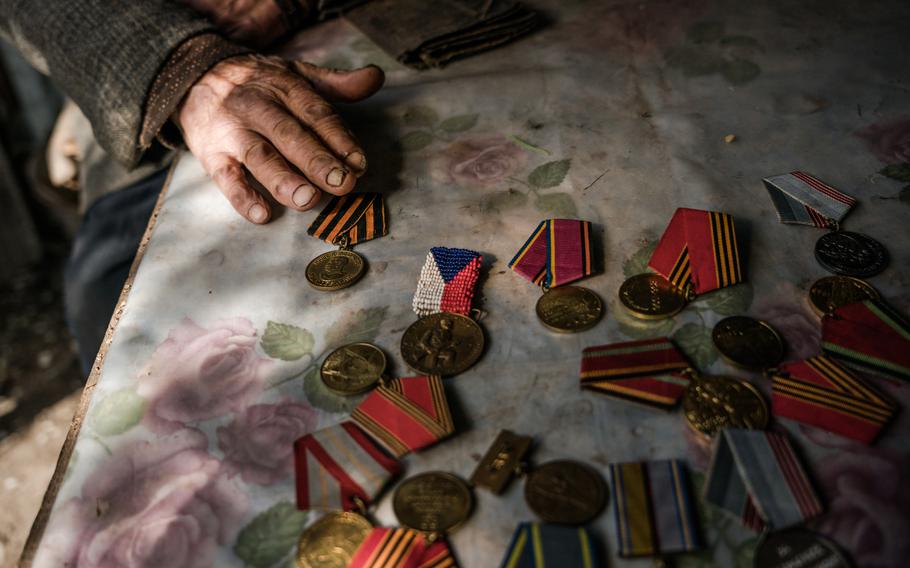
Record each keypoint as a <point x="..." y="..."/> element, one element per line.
<point x="253" y="22"/>
<point x="273" y="119"/>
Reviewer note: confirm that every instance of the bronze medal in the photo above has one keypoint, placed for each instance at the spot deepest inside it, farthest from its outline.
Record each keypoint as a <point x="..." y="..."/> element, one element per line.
<point x="353" y="369"/>
<point x="503" y="460"/>
<point x="711" y="404"/>
<point x="435" y="502"/>
<point x="569" y="309"/>
<point x="442" y="344"/>
<point x="651" y="296"/>
<point x="851" y="254"/>
<point x="797" y="548"/>
<point x="831" y="292"/>
<point x="748" y="342"/>
<point x="335" y="270"/>
<point x="565" y="492"/>
<point x="332" y="541"/>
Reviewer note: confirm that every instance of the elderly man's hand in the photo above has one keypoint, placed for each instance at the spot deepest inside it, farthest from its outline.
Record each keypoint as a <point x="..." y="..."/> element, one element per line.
<point x="273" y="119"/>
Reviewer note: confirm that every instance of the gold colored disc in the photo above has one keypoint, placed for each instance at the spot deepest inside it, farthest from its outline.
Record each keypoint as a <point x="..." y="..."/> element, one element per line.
<point x="569" y="309"/>
<point x="829" y="293"/>
<point x="713" y="403"/>
<point x="442" y="344"/>
<point x="565" y="492"/>
<point x="332" y="541"/>
<point x="335" y="270"/>
<point x="748" y="342"/>
<point x="433" y="502"/>
<point x="651" y="296"/>
<point x="353" y="369"/>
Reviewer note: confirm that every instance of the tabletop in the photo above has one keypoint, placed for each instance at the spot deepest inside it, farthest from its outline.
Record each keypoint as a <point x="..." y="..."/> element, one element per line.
<point x="616" y="113"/>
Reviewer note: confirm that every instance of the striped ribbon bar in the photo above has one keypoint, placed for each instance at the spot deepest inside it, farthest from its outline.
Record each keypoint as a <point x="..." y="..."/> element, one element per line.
<point x="536" y="545"/>
<point x="698" y="250"/>
<point x="654" y="512"/>
<point x="406" y="415"/>
<point x="802" y="199"/>
<point x="870" y="335"/>
<point x="556" y="253"/>
<point x="358" y="216"/>
<point x="649" y="371"/>
<point x="447" y="281"/>
<point x="338" y="465"/>
<point x="821" y="393"/>
<point x="401" y="548"/>
<point x="755" y="476"/>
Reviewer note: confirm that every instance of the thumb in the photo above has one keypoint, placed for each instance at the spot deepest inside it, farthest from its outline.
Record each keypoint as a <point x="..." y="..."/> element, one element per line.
<point x="342" y="86"/>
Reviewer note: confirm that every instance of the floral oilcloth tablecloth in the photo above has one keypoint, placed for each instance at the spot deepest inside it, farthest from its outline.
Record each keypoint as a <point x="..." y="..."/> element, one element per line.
<point x="616" y="113"/>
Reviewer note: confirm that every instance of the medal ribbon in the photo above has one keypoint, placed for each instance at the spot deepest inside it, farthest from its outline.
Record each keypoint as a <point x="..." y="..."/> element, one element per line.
<point x="406" y="415"/>
<point x="401" y="548"/>
<point x="447" y="281"/>
<point x="358" y="216"/>
<point x="821" y="393"/>
<point x="534" y="545"/>
<point x="648" y="371"/>
<point x="869" y="334"/>
<point x="337" y="464"/>
<point x="699" y="250"/>
<point x="556" y="253"/>
<point x="654" y="512"/>
<point x="802" y="199"/>
<point x="755" y="476"/>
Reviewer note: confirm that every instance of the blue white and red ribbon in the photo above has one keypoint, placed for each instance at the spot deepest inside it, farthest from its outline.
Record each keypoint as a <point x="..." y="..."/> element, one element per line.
<point x="447" y="281"/>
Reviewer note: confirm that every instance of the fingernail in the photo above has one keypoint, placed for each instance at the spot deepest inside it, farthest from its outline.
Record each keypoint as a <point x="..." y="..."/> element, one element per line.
<point x="302" y="195"/>
<point x="358" y="160"/>
<point x="336" y="177"/>
<point x="258" y="213"/>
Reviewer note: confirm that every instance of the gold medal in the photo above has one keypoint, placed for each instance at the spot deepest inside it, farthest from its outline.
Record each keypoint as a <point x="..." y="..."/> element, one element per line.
<point x="503" y="460"/>
<point x="651" y="296"/>
<point x="565" y="492"/>
<point x="748" y="342"/>
<point x="829" y="293"/>
<point x="335" y="270"/>
<point x="442" y="344"/>
<point x="332" y="541"/>
<point x="569" y="309"/>
<point x="435" y="502"/>
<point x="353" y="369"/>
<point x="713" y="403"/>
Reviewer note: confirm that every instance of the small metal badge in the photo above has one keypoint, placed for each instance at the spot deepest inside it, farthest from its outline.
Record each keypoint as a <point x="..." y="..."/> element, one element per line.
<point x="503" y="460"/>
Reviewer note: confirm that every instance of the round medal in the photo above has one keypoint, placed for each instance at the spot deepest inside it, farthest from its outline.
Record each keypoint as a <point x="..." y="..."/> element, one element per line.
<point x="569" y="309"/>
<point x="565" y="492"/>
<point x="433" y="502"/>
<point x="651" y="296"/>
<point x="442" y="344"/>
<point x="332" y="541"/>
<point x="851" y="254"/>
<point x="353" y="369"/>
<point x="713" y="403"/>
<point x="335" y="270"/>
<point x="748" y="342"/>
<point x="797" y="548"/>
<point x="831" y="292"/>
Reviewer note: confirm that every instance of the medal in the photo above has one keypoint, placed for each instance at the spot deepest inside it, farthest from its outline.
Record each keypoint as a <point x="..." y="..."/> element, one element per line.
<point x="557" y="253"/>
<point x="401" y="548"/>
<point x="442" y="344"/>
<point x="851" y="254"/>
<point x="534" y="545"/>
<point x="711" y="404"/>
<point x="651" y="297"/>
<point x="654" y="513"/>
<point x="503" y="460"/>
<point x="798" y="548"/>
<point x="821" y="393"/>
<point x="435" y="502"/>
<point x="565" y="492"/>
<point x="755" y="476"/>
<point x="353" y="369"/>
<point x="831" y="292"/>
<point x="698" y="251"/>
<point x="802" y="199"/>
<point x="748" y="342"/>
<point x="869" y="335"/>
<point x="332" y="541"/>
<point x="346" y="221"/>
<point x="650" y="371"/>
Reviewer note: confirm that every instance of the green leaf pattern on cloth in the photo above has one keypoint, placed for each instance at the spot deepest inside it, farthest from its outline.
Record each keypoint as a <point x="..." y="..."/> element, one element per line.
<point x="286" y="342"/>
<point x="270" y="536"/>
<point x="549" y="174"/>
<point x="118" y="412"/>
<point x="695" y="341"/>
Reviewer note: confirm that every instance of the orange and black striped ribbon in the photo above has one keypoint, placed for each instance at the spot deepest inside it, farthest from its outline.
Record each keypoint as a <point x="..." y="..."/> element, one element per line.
<point x="401" y="548"/>
<point x="358" y="216"/>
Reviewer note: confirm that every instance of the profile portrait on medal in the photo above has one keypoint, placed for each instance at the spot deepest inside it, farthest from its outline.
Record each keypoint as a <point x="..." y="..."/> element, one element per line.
<point x="437" y="345"/>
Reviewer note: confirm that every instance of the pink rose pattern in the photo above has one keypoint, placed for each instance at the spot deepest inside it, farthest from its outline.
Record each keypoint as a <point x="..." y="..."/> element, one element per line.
<point x="259" y="443"/>
<point x="198" y="373"/>
<point x="153" y="504"/>
<point x="889" y="141"/>
<point x="479" y="161"/>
